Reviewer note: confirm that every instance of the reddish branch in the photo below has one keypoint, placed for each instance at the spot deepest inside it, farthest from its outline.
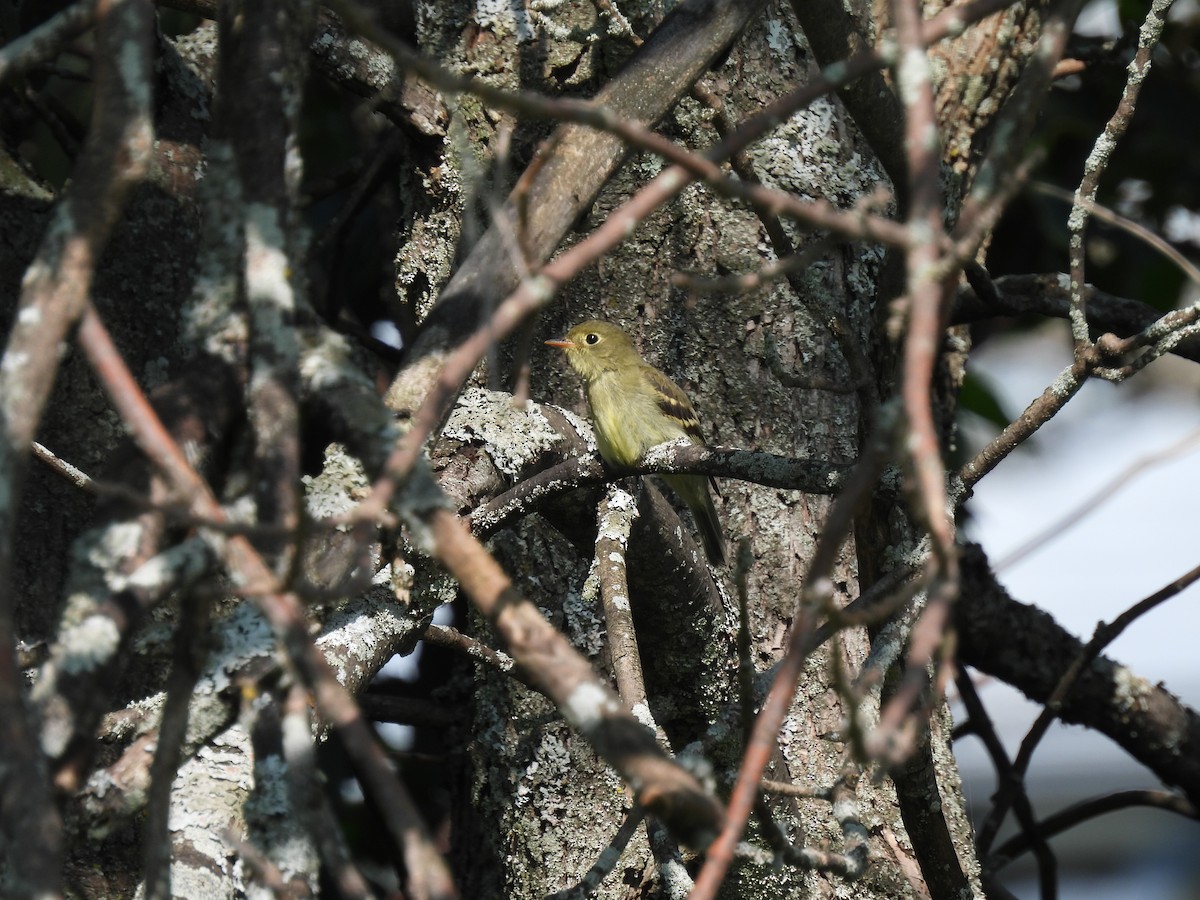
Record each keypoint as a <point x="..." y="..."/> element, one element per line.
<point x="562" y="674"/>
<point x="428" y="875"/>
<point x="928" y="297"/>
<point x="815" y="599"/>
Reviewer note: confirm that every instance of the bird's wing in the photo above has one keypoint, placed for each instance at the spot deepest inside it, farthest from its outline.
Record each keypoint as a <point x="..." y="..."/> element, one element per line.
<point x="674" y="403"/>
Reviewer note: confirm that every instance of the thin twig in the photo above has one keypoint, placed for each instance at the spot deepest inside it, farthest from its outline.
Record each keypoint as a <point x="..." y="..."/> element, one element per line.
<point x="76" y="476"/>
<point x="1009" y="783"/>
<point x="1097" y="162"/>
<point x="1115" y="219"/>
<point x="453" y="639"/>
<point x="1089" y="809"/>
<point x="1104" y="635"/>
<point x="1098" y="497"/>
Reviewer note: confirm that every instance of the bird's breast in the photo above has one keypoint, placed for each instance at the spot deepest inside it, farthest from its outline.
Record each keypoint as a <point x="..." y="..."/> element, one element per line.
<point x="628" y="422"/>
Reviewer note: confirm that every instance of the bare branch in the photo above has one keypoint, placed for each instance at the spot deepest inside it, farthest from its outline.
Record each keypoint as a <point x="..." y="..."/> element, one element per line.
<point x="1089" y="809"/>
<point x="427" y="871"/>
<point x="1010" y="784"/>
<point x="1049" y="295"/>
<point x="1152" y="726"/>
<point x="1097" y="162"/>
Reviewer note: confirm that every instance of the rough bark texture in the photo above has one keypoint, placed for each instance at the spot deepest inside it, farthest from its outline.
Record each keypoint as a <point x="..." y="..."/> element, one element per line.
<point x="533" y="805"/>
<point x="726" y="352"/>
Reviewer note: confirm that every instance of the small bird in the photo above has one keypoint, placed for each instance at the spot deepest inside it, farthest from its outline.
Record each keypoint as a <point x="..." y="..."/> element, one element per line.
<point x="636" y="407"/>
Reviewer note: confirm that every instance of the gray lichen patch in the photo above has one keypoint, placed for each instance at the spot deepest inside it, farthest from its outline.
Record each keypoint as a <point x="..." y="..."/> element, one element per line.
<point x="340" y="484"/>
<point x="515" y="436"/>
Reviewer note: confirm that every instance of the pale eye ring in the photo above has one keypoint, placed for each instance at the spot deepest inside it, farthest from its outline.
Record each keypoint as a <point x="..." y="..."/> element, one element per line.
<point x="592" y="338"/>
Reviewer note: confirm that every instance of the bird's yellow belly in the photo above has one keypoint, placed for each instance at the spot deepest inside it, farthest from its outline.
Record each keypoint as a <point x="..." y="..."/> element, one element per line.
<point x="627" y="425"/>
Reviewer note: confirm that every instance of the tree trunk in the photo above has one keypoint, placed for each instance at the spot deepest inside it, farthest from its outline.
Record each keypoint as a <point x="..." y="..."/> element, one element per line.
<point x="794" y="367"/>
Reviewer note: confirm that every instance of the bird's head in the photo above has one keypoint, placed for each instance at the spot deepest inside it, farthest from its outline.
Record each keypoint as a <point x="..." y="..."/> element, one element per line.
<point x="596" y="347"/>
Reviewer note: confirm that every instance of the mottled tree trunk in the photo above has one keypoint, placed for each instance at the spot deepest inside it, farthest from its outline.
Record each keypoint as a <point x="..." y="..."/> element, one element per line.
<point x="765" y="371"/>
<point x="795" y="367"/>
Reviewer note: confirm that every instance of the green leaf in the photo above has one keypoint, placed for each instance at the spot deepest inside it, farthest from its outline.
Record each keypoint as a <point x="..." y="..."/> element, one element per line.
<point x="978" y="397"/>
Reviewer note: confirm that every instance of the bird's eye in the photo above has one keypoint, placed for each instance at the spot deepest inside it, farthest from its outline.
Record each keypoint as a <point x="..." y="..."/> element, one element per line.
<point x="592" y="338"/>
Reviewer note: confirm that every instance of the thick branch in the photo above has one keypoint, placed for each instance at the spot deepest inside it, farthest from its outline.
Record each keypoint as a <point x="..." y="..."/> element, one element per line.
<point x="1146" y="720"/>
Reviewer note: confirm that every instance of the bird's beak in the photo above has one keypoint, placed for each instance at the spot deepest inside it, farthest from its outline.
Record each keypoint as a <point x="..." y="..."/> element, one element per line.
<point x="561" y="344"/>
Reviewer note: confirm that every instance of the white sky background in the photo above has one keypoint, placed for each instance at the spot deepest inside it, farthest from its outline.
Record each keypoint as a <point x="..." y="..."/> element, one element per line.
<point x="1140" y="538"/>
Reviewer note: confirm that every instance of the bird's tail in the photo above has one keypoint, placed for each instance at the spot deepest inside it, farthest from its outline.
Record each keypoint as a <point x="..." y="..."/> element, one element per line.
<point x="694" y="491"/>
